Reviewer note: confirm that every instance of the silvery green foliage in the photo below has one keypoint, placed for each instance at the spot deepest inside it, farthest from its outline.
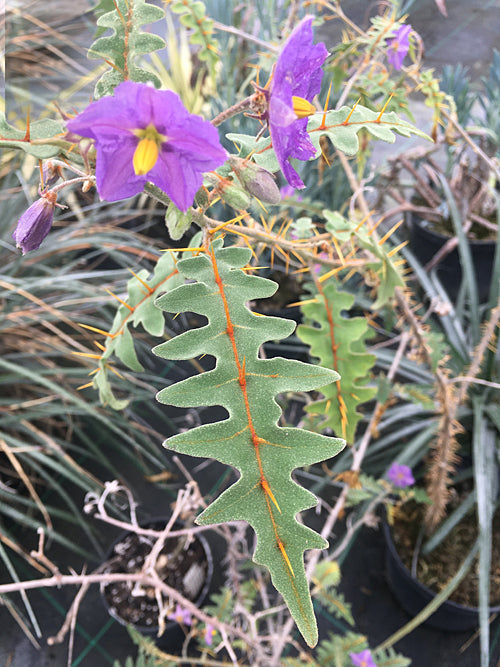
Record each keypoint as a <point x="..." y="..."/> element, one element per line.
<point x="264" y="453"/>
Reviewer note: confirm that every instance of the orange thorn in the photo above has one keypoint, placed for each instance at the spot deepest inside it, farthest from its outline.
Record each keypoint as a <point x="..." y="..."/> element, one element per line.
<point x="143" y="282"/>
<point x="338" y="249"/>
<point x="377" y="120"/>
<point x="346" y="121"/>
<point x="90" y="355"/>
<point x="325" y="109"/>
<point x="360" y="224"/>
<point x="391" y="231"/>
<point x="85" y="386"/>
<point x="397" y="249"/>
<point x="285" y="556"/>
<point x="100" y="346"/>
<point x="96" y="330"/>
<point x="124" y="303"/>
<point x="267" y="489"/>
<point x="27" y="136"/>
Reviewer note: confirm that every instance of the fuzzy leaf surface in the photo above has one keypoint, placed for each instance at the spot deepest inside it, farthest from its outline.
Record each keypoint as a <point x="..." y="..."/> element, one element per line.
<point x="342" y="126"/>
<point x="138" y="309"/>
<point x="11" y="137"/>
<point x="126" y="42"/>
<point x="250" y="440"/>
<point x="334" y="343"/>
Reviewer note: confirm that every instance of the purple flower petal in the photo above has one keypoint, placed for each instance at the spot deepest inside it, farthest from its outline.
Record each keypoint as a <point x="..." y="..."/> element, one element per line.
<point x="181" y="615"/>
<point x="188" y="146"/>
<point x="398" y="46"/>
<point x="363" y="659"/>
<point x="209" y="634"/>
<point x="35" y="223"/>
<point x="297" y="73"/>
<point x="400" y="475"/>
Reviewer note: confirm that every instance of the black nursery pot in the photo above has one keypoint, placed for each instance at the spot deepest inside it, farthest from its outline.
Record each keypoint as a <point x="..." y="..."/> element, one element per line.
<point x="188" y="570"/>
<point x="426" y="242"/>
<point x="414" y="596"/>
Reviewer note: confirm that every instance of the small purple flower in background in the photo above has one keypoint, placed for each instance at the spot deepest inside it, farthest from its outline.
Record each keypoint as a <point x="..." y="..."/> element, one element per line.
<point x="400" y="475"/>
<point x="398" y="45"/>
<point x="35" y="223"/>
<point x="142" y="134"/>
<point x="295" y="80"/>
<point x="363" y="659"/>
<point x="209" y="634"/>
<point x="181" y="615"/>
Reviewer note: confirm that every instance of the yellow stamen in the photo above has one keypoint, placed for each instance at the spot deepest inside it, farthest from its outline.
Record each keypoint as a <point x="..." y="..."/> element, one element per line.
<point x="302" y="107"/>
<point x="146" y="152"/>
<point x="145" y="156"/>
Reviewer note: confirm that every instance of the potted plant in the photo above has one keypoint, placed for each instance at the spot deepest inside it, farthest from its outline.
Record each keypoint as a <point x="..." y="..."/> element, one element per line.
<point x="449" y="191"/>
<point x="183" y="562"/>
<point x="455" y="451"/>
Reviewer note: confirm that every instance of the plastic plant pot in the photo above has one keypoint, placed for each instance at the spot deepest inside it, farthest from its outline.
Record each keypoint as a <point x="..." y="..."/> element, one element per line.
<point x="413" y="596"/>
<point x="425" y="242"/>
<point x="187" y="569"/>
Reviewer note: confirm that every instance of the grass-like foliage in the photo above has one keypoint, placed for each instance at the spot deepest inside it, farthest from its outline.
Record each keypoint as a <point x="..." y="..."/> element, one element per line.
<point x="250" y="440"/>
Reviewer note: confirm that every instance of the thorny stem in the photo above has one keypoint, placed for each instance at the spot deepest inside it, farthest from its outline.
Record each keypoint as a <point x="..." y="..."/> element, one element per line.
<point x="233" y="110"/>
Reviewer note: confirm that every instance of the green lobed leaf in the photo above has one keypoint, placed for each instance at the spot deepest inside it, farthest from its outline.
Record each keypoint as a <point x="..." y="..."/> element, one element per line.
<point x="382" y="265"/>
<point x="261" y="150"/>
<point x="333" y="344"/>
<point x="342" y="126"/>
<point x="193" y="15"/>
<point x="126" y="43"/>
<point x="137" y="309"/>
<point x="11" y="137"/>
<point x="250" y="440"/>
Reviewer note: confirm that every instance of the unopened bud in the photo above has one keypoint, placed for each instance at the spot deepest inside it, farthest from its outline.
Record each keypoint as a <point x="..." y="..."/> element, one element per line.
<point x="229" y="191"/>
<point x="256" y="180"/>
<point x="234" y="196"/>
<point x="35" y="223"/>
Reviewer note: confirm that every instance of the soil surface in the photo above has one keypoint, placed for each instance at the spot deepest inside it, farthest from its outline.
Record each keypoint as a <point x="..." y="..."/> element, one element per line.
<point x="181" y="565"/>
<point x="436" y="569"/>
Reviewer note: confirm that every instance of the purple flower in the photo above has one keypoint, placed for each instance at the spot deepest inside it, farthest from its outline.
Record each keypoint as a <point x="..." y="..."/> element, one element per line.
<point x="400" y="475"/>
<point x="397" y="46"/>
<point x="35" y="223"/>
<point x="143" y="134"/>
<point x="209" y="634"/>
<point x="363" y="659"/>
<point x="295" y="81"/>
<point x="181" y="615"/>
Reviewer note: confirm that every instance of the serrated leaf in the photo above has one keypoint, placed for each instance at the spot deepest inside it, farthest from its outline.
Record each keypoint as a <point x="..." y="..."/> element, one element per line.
<point x="383" y="266"/>
<point x="193" y="15"/>
<point x="333" y="344"/>
<point x="250" y="439"/>
<point x="126" y="42"/>
<point x="137" y="309"/>
<point x="260" y="149"/>
<point x="342" y="126"/>
<point x="11" y="137"/>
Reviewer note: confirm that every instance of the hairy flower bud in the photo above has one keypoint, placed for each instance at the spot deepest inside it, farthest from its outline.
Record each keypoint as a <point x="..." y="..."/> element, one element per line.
<point x="256" y="180"/>
<point x="35" y="223"/>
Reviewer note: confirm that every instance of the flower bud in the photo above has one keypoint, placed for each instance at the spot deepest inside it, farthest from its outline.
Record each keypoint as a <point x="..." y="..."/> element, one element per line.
<point x="256" y="180"/>
<point x="35" y="223"/>
<point x="234" y="196"/>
